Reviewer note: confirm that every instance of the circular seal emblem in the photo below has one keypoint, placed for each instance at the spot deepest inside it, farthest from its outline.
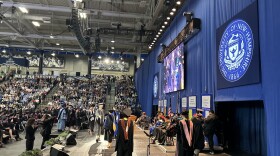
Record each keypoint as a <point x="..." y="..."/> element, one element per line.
<point x="155" y="86"/>
<point x="235" y="50"/>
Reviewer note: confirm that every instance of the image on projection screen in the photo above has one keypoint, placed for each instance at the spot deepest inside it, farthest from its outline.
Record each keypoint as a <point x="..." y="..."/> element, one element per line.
<point x="174" y="70"/>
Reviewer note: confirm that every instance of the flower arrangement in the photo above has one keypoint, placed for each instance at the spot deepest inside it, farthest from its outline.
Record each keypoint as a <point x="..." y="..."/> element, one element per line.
<point x="35" y="152"/>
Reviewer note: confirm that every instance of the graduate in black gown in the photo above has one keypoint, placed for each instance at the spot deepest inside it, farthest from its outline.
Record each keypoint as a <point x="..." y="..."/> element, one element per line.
<point x="124" y="142"/>
<point x="184" y="136"/>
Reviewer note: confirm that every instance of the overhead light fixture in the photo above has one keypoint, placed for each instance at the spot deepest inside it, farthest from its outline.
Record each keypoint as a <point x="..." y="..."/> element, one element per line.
<point x="83" y="15"/>
<point x="153" y="43"/>
<point x="23" y="10"/>
<point x="150" y="47"/>
<point x="29" y="53"/>
<point x="61" y="49"/>
<point x="77" y="55"/>
<point x="107" y="60"/>
<point x="165" y="22"/>
<point x="174" y="9"/>
<point x="99" y="57"/>
<point x="36" y="24"/>
<point x="142" y="59"/>
<point x="4" y="51"/>
<point x="171" y="13"/>
<point x="159" y="33"/>
<point x="53" y="54"/>
<point x="178" y="2"/>
<point x="113" y="41"/>
<point x="163" y="26"/>
<point x="112" y="52"/>
<point x="57" y="44"/>
<point x="160" y="30"/>
<point x="112" y="47"/>
<point x="168" y="18"/>
<point x="51" y="36"/>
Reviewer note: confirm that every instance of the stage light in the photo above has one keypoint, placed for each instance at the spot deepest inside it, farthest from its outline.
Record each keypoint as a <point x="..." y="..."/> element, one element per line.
<point x="153" y="43"/>
<point x="150" y="47"/>
<point x="163" y="26"/>
<point x="165" y="22"/>
<point x="51" y="36"/>
<point x="106" y="60"/>
<point x="57" y="44"/>
<point x="171" y="13"/>
<point x="29" y="53"/>
<point x="174" y="9"/>
<point x="61" y="49"/>
<point x="112" y="52"/>
<point x="178" y="2"/>
<point x="113" y="41"/>
<point x="168" y="18"/>
<point x="112" y="47"/>
<point x="23" y="10"/>
<point x="4" y="51"/>
<point x="160" y="30"/>
<point x="159" y="33"/>
<point x="36" y="24"/>
<point x="77" y="55"/>
<point x="99" y="57"/>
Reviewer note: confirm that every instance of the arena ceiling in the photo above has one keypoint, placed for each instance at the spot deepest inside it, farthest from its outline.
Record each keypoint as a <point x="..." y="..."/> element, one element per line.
<point x="113" y="16"/>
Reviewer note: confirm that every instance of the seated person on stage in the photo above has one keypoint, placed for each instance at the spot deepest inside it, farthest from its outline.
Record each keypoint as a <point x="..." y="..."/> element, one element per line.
<point x="158" y="122"/>
<point x="141" y="118"/>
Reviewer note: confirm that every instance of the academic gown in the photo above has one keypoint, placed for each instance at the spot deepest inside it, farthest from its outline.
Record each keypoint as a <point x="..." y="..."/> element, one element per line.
<point x="62" y="117"/>
<point x="198" y="137"/>
<point x="182" y="147"/>
<point x="124" y="147"/>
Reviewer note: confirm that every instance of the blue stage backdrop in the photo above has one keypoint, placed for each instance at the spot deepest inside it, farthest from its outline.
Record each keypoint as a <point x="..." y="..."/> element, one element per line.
<point x="238" y="61"/>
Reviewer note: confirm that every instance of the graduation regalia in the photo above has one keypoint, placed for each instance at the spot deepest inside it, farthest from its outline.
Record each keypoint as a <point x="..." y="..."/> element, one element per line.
<point x="124" y="142"/>
<point x="184" y="138"/>
<point x="62" y="117"/>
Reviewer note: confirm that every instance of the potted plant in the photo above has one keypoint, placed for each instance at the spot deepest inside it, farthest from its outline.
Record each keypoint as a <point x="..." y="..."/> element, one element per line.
<point x="35" y="152"/>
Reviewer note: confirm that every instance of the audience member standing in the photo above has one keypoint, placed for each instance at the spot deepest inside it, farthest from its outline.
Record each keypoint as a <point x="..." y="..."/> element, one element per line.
<point x="209" y="129"/>
<point x="30" y="133"/>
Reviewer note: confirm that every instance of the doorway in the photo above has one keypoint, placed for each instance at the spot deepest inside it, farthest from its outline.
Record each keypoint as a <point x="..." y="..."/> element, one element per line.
<point x="242" y="124"/>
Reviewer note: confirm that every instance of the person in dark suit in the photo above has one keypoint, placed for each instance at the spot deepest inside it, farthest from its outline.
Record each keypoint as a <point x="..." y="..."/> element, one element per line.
<point x="30" y="133"/>
<point x="47" y="126"/>
<point x="209" y="129"/>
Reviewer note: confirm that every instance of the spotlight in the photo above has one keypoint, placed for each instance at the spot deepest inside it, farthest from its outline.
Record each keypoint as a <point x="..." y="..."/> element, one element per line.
<point x="150" y="47"/>
<point x="57" y="44"/>
<point x="165" y="22"/>
<point x="174" y="9"/>
<point x="29" y="53"/>
<point x="163" y="26"/>
<point x="171" y="13"/>
<point x="99" y="57"/>
<point x="160" y="30"/>
<point x="168" y="18"/>
<point x="157" y="35"/>
<point x="112" y="52"/>
<point x="77" y="55"/>
<point x="51" y="36"/>
<point x="4" y="51"/>
<point x="112" y="47"/>
<point x="189" y="16"/>
<point x="113" y="41"/>
<point x="178" y="2"/>
<point x="61" y="49"/>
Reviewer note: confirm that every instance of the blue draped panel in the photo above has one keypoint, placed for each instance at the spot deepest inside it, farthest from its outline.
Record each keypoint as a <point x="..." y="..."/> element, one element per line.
<point x="200" y="61"/>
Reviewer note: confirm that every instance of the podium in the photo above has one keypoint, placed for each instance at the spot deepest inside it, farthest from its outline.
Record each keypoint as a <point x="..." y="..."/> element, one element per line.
<point x="57" y="150"/>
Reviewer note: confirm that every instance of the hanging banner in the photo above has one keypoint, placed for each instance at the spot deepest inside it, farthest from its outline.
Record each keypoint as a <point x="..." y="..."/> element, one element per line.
<point x="192" y="101"/>
<point x="184" y="102"/>
<point x="206" y="101"/>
